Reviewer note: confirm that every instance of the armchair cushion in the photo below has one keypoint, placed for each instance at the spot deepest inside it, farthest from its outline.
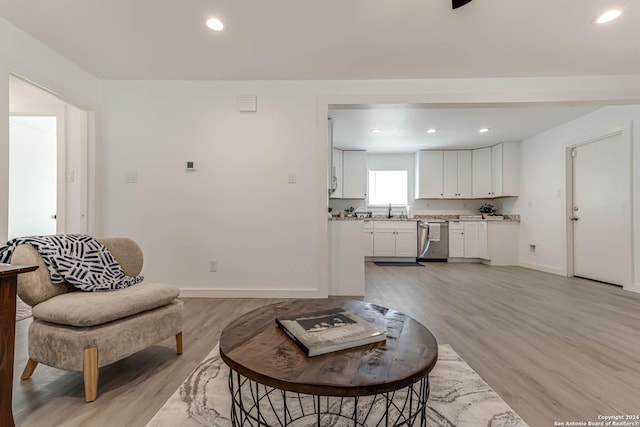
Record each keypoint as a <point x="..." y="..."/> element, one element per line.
<point x="84" y="309"/>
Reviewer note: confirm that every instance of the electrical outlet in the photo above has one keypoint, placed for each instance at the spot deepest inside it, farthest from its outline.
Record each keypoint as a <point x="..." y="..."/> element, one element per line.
<point x="532" y="249"/>
<point x="213" y="265"/>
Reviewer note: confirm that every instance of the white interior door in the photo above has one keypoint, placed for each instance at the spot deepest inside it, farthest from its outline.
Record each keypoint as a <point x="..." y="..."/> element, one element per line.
<point x="601" y="212"/>
<point x="36" y="175"/>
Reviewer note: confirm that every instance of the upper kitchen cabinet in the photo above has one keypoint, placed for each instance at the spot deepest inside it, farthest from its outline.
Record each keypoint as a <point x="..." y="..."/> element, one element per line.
<point x="429" y="183"/>
<point x="354" y="174"/>
<point x="505" y="169"/>
<point x="457" y="174"/>
<point x="496" y="171"/>
<point x="336" y="174"/>
<point x="482" y="173"/>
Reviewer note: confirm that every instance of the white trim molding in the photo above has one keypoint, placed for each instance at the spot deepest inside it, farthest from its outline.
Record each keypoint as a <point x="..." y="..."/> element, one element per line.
<point x="541" y="267"/>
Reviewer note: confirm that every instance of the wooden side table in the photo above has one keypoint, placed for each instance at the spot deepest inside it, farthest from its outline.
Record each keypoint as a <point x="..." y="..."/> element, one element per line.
<point x="272" y="382"/>
<point x="8" y="288"/>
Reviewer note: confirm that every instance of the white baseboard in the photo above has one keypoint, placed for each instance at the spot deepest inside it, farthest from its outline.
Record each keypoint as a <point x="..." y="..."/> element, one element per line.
<point x="541" y="267"/>
<point x="632" y="288"/>
<point x="251" y="293"/>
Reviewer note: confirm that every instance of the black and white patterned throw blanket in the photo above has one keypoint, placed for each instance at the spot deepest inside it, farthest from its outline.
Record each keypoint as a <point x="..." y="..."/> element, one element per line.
<point x="79" y="260"/>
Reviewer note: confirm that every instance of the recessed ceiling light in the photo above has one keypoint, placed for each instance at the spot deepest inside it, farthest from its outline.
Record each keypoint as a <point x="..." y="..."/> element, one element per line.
<point x="376" y="130"/>
<point x="432" y="130"/>
<point x="483" y="130"/>
<point x="608" y="16"/>
<point x="215" y="24"/>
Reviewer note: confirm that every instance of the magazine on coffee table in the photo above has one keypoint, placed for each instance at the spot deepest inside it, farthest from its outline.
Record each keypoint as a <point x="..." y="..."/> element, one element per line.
<point x="330" y="330"/>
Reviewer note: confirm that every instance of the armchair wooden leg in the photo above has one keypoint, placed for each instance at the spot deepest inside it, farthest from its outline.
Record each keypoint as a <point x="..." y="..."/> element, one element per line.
<point x="179" y="343"/>
<point x="28" y="370"/>
<point x="90" y="371"/>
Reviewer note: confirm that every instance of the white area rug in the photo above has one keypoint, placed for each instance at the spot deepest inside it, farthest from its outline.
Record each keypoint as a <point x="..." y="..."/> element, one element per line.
<point x="458" y="397"/>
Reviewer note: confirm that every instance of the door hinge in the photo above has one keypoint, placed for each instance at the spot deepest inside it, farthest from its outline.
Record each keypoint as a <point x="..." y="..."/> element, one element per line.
<point x="574" y="153"/>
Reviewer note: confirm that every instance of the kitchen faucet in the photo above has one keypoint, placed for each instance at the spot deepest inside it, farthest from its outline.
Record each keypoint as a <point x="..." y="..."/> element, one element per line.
<point x="389" y="215"/>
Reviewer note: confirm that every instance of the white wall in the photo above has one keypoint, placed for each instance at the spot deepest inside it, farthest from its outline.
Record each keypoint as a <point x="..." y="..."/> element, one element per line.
<point x="237" y="207"/>
<point x="542" y="202"/>
<point x="25" y="56"/>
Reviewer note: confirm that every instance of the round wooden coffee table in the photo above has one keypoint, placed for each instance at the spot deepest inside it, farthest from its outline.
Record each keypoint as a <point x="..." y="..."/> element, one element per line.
<point x="272" y="382"/>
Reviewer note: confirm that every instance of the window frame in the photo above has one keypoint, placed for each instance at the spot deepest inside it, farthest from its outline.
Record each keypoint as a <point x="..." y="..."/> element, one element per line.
<point x="370" y="192"/>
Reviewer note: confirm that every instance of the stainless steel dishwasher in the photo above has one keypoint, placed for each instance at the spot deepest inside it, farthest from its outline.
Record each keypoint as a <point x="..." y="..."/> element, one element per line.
<point x="433" y="246"/>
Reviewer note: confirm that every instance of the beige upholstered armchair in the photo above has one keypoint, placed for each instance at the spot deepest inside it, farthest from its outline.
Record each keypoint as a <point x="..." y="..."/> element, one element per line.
<point x="82" y="331"/>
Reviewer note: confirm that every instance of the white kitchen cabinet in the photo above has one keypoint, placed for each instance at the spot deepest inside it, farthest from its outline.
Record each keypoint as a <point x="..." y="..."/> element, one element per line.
<point x="483" y="240"/>
<point x="395" y="239"/>
<point x="456" y="240"/>
<point x="407" y="241"/>
<point x="468" y="239"/>
<point x="346" y="258"/>
<point x="368" y="238"/>
<point x="475" y="239"/>
<point x="457" y="174"/>
<point x="336" y="174"/>
<point x="429" y="174"/>
<point x="505" y="178"/>
<point x="482" y="173"/>
<point x="354" y="167"/>
<point x="496" y="171"/>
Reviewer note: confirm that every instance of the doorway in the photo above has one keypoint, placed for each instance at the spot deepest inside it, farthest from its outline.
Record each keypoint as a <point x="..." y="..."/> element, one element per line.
<point x="72" y="158"/>
<point x="599" y="204"/>
<point x="35" y="164"/>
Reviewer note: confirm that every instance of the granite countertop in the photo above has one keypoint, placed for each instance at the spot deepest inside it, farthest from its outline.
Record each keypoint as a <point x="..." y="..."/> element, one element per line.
<point x="374" y="218"/>
<point x="442" y="218"/>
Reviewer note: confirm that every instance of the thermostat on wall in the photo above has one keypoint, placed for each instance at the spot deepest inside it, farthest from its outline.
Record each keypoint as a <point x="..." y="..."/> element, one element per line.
<point x="191" y="166"/>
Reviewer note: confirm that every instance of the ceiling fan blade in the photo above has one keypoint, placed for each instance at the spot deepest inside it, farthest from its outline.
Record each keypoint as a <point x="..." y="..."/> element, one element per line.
<point x="458" y="3"/>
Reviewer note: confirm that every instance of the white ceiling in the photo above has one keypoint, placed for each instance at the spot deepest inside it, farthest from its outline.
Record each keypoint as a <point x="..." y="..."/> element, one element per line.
<point x="334" y="39"/>
<point x="349" y="39"/>
<point x="404" y="126"/>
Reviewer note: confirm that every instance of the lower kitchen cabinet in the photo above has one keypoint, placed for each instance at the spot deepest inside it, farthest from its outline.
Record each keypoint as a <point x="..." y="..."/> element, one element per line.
<point x="468" y="239"/>
<point x="456" y="239"/>
<point x="395" y="239"/>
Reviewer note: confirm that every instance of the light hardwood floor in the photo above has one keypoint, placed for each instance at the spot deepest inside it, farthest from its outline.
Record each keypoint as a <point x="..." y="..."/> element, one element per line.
<point x="555" y="349"/>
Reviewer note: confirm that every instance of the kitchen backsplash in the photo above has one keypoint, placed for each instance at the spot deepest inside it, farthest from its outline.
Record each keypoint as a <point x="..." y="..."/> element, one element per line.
<point x="429" y="207"/>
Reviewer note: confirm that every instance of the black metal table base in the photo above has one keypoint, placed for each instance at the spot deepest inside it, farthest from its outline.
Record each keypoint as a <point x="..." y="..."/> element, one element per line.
<point x="254" y="404"/>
